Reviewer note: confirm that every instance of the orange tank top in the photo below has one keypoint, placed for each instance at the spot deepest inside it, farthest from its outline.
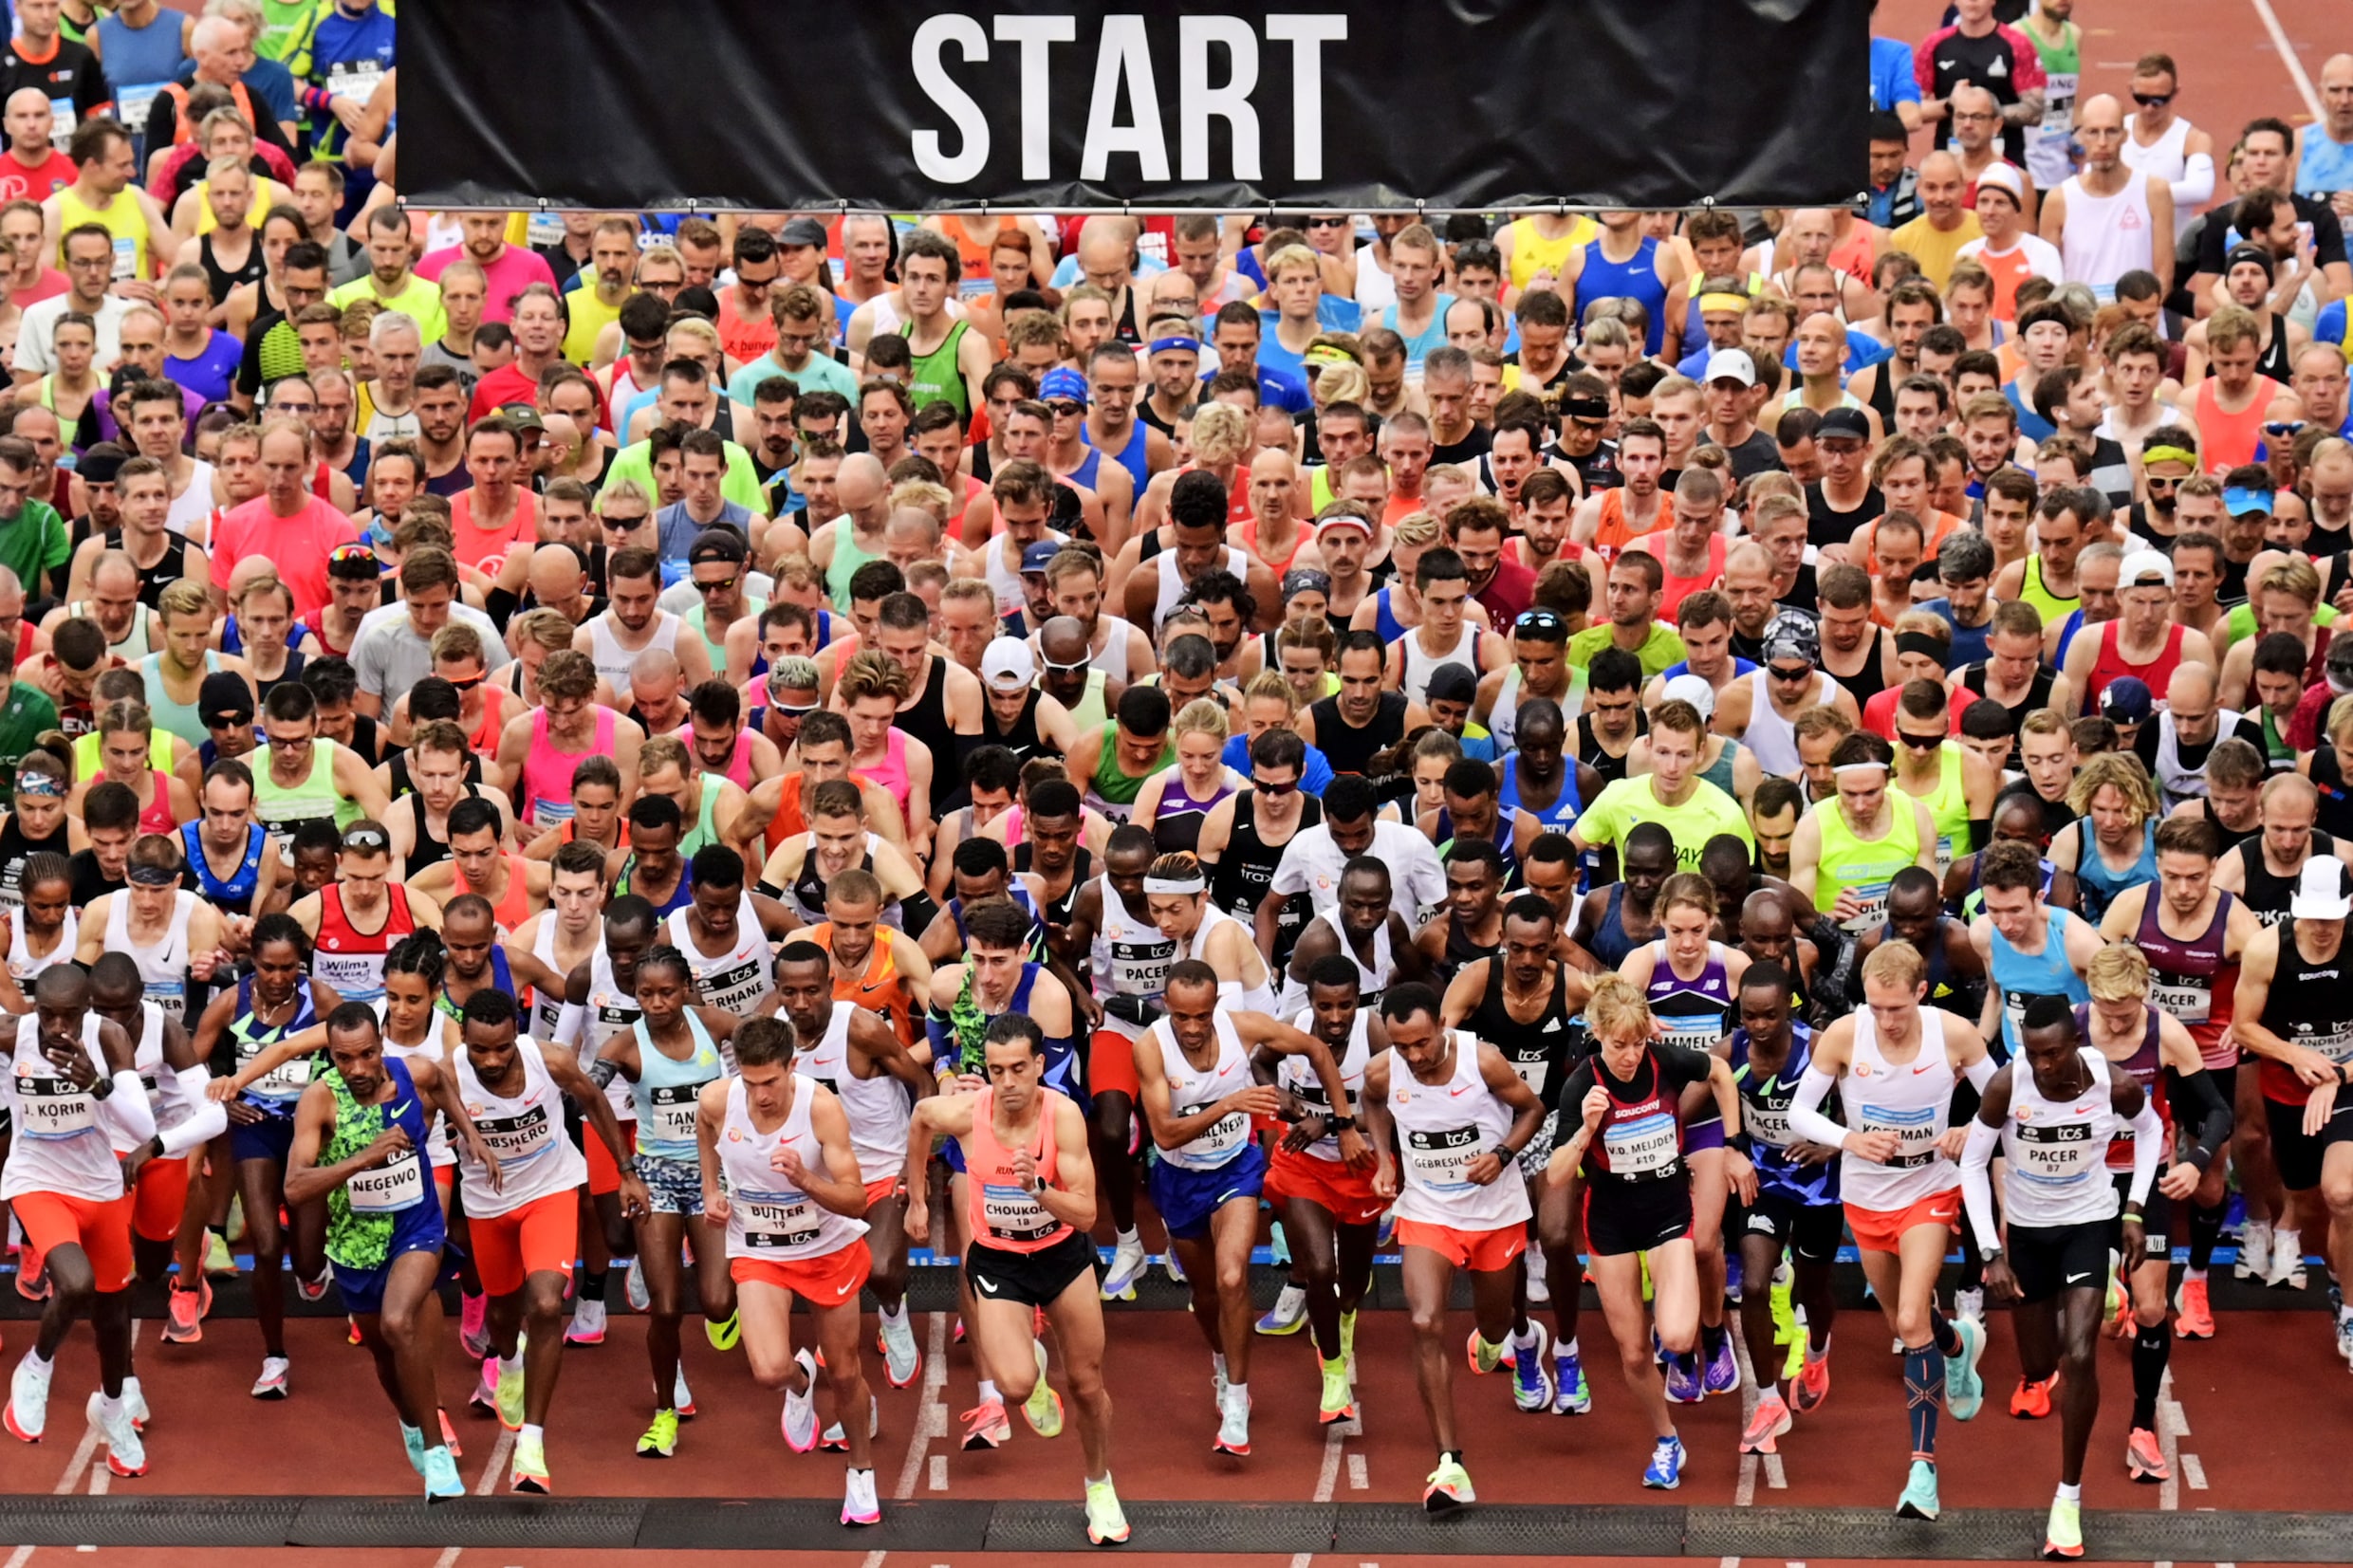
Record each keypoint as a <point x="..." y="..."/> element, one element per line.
<point x="881" y="989"/>
<point x="2228" y="441"/>
<point x="511" y="911"/>
<point x="1614" y="532"/>
<point x="999" y="1212"/>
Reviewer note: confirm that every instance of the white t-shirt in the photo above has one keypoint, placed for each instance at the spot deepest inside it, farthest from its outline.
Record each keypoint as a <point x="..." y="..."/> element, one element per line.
<point x="2041" y="256"/>
<point x="1312" y="863"/>
<point x="36" y="335"/>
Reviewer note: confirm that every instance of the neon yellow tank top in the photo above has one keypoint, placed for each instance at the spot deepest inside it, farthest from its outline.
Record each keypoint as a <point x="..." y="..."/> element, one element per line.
<point x="1865" y="865"/>
<point x="1948" y="804"/>
<point x="1532" y="253"/>
<point x="120" y="217"/>
<point x="2047" y="604"/>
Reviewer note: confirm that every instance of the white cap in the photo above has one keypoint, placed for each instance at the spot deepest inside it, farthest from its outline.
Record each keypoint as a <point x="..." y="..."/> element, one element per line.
<point x="2141" y="565"/>
<point x="1008" y="665"/>
<point x="2006" y="178"/>
<point x="1730" y="364"/>
<point x="2321" y="891"/>
<point x="1694" y="690"/>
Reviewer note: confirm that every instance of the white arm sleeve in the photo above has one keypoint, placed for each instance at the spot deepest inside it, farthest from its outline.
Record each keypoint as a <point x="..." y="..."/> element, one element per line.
<point x="1977" y="1181"/>
<point x="126" y="1110"/>
<point x="1805" y="1118"/>
<point x="2197" y="183"/>
<point x="2148" y="1152"/>
<point x="1980" y="1072"/>
<point x="199" y="1119"/>
<point x="572" y="1025"/>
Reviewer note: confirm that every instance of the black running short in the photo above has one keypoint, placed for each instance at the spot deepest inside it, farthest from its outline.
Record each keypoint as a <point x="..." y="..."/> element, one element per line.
<point x="2299" y="1156"/>
<point x="2049" y="1259"/>
<point x="1033" y="1279"/>
<point x="1623" y="1216"/>
<point x="2156" y="1216"/>
<point x="1813" y="1230"/>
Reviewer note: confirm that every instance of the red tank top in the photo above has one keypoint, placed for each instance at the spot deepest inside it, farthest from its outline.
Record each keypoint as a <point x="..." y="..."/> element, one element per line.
<point x="2230" y="439"/>
<point x="999" y="1211"/>
<point x="1614" y="532"/>
<point x="2113" y="666"/>
<point x="337" y="934"/>
<point x="156" y="817"/>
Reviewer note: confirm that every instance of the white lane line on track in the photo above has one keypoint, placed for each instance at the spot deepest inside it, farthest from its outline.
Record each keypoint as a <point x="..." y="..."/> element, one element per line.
<point x="1327" y="1479"/>
<point x="931" y="1420"/>
<point x="2287" y="57"/>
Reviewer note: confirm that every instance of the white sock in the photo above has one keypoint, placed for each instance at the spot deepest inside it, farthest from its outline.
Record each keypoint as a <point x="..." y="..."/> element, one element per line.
<point x="2070" y="1494"/>
<point x="1565" y="1348"/>
<point x="1130" y="1237"/>
<point x="36" y="1356"/>
<point x="2288" y="1244"/>
<point x="1241" y="1390"/>
<point x="1524" y="1338"/>
<point x="1217" y="1359"/>
<point x="110" y="1404"/>
<point x="2193" y="1274"/>
<point x="899" y="1315"/>
<point x="534" y="1434"/>
<point x="989" y="1394"/>
<point x="510" y="1363"/>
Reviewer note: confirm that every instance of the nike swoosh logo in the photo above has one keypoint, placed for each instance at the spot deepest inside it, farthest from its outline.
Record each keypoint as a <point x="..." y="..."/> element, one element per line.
<point x="2077" y="1279"/>
<point x="1457" y="1094"/>
<point x="1917" y="1071"/>
<point x="987" y="1286"/>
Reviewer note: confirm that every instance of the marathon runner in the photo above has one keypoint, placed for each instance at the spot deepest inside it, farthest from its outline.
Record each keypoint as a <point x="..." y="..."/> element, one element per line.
<point x="600" y="1001"/>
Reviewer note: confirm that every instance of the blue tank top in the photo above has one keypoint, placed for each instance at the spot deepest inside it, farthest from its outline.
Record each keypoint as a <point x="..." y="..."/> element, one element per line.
<point x="251" y="1038"/>
<point x="1084" y="473"/>
<point x="1386" y="624"/>
<point x="1683" y="667"/>
<point x="2100" y="884"/>
<point x="406" y="1111"/>
<point x="1502" y="843"/>
<point x="1610" y="943"/>
<point x="2022" y="976"/>
<point x="1765" y="1112"/>
<point x="667" y="1090"/>
<point x="1603" y="279"/>
<point x="1562" y="814"/>
<point x="1131" y="457"/>
<point x="502" y="979"/>
<point x="236" y="893"/>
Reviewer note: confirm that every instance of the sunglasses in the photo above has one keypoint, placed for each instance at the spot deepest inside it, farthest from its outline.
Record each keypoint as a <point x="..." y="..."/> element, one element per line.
<point x="710" y="585"/>
<point x="1065" y="410"/>
<point x="1328" y="223"/>
<point x="1066" y="668"/>
<point x="351" y="552"/>
<point x="468" y="684"/>
<point x="1919" y="742"/>
<point x="623" y="524"/>
<point x="1790" y="676"/>
<point x="367" y="838"/>
<point x="796" y="709"/>
<point x="2282" y="429"/>
<point x="2153" y="101"/>
<point x="1267" y="787"/>
<point x="1537" y="620"/>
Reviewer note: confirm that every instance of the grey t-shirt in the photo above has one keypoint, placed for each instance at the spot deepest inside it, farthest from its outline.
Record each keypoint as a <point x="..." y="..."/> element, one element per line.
<point x="389" y="656"/>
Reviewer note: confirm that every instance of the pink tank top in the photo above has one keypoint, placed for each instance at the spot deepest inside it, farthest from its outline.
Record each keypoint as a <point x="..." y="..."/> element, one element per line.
<point x="891" y="772"/>
<point x="548" y="772"/>
<point x="738" y="770"/>
<point x="157" y="816"/>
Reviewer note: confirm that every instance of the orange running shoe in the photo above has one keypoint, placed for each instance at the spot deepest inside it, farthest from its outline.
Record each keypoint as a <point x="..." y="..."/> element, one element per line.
<point x="2033" y="1400"/>
<point x="2143" y="1459"/>
<point x="2198" y="1319"/>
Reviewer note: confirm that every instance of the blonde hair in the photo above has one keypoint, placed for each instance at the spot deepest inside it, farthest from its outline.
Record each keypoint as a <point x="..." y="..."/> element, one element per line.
<point x="2117" y="770"/>
<point x="1618" y="1009"/>
<point x="1898" y="963"/>
<point x="923" y="495"/>
<point x="1290" y="256"/>
<point x="1269" y="683"/>
<point x="1220" y="434"/>
<point x="2118" y="972"/>
<point x="1419" y="528"/>
<point x="1340" y="384"/>
<point x="1202" y="717"/>
<point x="873" y="674"/>
<point x="662" y="751"/>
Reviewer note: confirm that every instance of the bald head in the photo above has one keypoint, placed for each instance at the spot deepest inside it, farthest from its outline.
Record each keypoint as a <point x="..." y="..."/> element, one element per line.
<point x="862" y="485"/>
<point x="555" y="574"/>
<point x="1272" y="463"/>
<point x="1940" y="165"/>
<point x="655" y="678"/>
<point x="2192" y="688"/>
<point x="115" y="570"/>
<point x="1064" y="640"/>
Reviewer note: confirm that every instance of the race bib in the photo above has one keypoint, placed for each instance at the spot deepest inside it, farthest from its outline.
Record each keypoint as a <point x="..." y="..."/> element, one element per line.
<point x="62" y="120"/>
<point x="287" y="1081"/>
<point x="1225" y="1134"/>
<point x="1440" y="1160"/>
<point x="2188" y="997"/>
<point x="1693" y="1032"/>
<point x="1141" y="968"/>
<point x="779" y="1220"/>
<point x="1766" y="1124"/>
<point x="1915" y="1133"/>
<point x="1646" y="1146"/>
<point x="2337" y="1046"/>
<point x="132" y="105"/>
<point x="730" y="989"/>
<point x="353" y="79"/>
<point x="400" y="1185"/>
<point x="1873" y="897"/>
<point x="523" y="1136"/>
<point x="1534" y="1073"/>
<point x="548" y="814"/>
<point x="53" y="1108"/>
<point x="170" y="995"/>
<point x="673" y="1112"/>
<point x="1013" y="1213"/>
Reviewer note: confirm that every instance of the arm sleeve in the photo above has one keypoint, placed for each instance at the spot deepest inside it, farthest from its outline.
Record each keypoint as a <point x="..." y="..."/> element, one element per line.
<point x="126" y="1110"/>
<point x="205" y="1121"/>
<point x="1805" y="1118"/>
<point x="571" y="1025"/>
<point x="2148" y="1151"/>
<point x="1981" y="1071"/>
<point x="1978" y="1182"/>
<point x="2197" y="184"/>
<point x="2200" y="1093"/>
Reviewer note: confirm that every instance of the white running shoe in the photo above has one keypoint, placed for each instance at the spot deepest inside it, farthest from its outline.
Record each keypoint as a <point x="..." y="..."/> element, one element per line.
<point x="135" y="1400"/>
<point x="1233" y="1421"/>
<point x="859" y="1505"/>
<point x="901" y="1359"/>
<point x="271" y="1383"/>
<point x="1127" y="1266"/>
<point x="1289" y="1312"/>
<point x="28" y="1414"/>
<point x="1539" y="1287"/>
<point x="641" y="1300"/>
<point x="800" y="1408"/>
<point x="126" y="1455"/>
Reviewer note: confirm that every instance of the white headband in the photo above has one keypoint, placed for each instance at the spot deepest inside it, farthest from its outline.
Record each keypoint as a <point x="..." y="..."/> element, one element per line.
<point x="1175" y="884"/>
<point x="1844" y="769"/>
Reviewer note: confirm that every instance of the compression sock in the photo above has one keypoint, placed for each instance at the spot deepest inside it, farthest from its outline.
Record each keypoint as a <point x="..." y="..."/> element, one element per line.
<point x="592" y="1285"/>
<point x="2205" y="1233"/>
<point x="1923" y="1391"/>
<point x="2152" y="1348"/>
<point x="1944" y="1336"/>
<point x="1712" y="1339"/>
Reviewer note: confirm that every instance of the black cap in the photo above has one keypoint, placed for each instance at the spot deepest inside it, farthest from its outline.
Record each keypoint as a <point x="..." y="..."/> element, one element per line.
<point x="718" y="544"/>
<point x="802" y="231"/>
<point x="224" y="699"/>
<point x="1844" y="421"/>
<point x="100" y="463"/>
<point x="1452" y="683"/>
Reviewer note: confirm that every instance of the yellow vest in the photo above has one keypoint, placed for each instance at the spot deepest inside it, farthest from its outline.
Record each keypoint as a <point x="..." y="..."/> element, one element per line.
<point x="121" y="218"/>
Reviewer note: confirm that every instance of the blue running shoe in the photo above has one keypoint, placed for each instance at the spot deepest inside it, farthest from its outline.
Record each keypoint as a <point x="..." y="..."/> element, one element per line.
<point x="1531" y="1380"/>
<point x="1722" y="1371"/>
<point x="1570" y="1396"/>
<point x="1964" y="1391"/>
<point x="1684" y="1384"/>
<point x="1919" y="1493"/>
<point x="1665" y="1470"/>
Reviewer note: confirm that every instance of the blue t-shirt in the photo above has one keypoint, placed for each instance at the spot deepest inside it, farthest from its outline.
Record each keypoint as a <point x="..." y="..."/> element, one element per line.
<point x="1892" y="81"/>
<point x="1282" y="389"/>
<point x="1067" y="271"/>
<point x="1315" y="778"/>
<point x="210" y="373"/>
<point x="1969" y="642"/>
<point x="1861" y="349"/>
<point x="1432" y="336"/>
<point x="2329" y="326"/>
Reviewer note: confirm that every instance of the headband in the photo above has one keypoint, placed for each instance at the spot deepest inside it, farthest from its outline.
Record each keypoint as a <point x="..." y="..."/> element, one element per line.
<point x="1175" y="884"/>
<point x="1586" y="408"/>
<point x="1921" y="643"/>
<point x="2167" y="454"/>
<point x="38" y="783"/>
<point x="1325" y="353"/>
<point x="1723" y="302"/>
<point x="1844" y="769"/>
<point x="1165" y="346"/>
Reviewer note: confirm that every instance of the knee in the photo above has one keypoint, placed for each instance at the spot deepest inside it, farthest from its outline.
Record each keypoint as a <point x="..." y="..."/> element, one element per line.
<point x="2336" y="1192"/>
<point x="1912" y="1324"/>
<point x="1313" y="1269"/>
<point x="1677" y="1338"/>
<point x="1019" y="1381"/>
<point x="543" y="1299"/>
<point x="1429" y="1322"/>
<point x="399" y="1326"/>
<point x="2081" y="1359"/>
<point x="718" y="1299"/>
<point x="1110" y="1122"/>
<point x="1555" y="1235"/>
<point x="770" y="1369"/>
<point x="1234" y="1278"/>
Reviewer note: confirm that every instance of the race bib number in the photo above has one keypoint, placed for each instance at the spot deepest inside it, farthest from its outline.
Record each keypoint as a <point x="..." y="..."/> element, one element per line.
<point x="548" y="814"/>
<point x="2336" y="1044"/>
<point x="285" y="1082"/>
<point x="1944" y="856"/>
<point x="779" y="1220"/>
<point x="673" y="1112"/>
<point x="2188" y="998"/>
<point x="1224" y="1136"/>
<point x="62" y="120"/>
<point x="400" y="1185"/>
<point x="353" y="79"/>
<point x="2059" y="89"/>
<point x="1766" y="1124"/>
<point x="1915" y="1135"/>
<point x="1646" y="1146"/>
<point x="730" y="989"/>
<point x="1440" y="1161"/>
<point x="1873" y="897"/>
<point x="1536" y="1071"/>
<point x="53" y="1108"/>
<point x="1693" y="1032"/>
<point x="2055" y="1154"/>
<point x="170" y="995"/>
<point x="1013" y="1213"/>
<point x="525" y="1135"/>
<point x="132" y="105"/>
<point x="1141" y="968"/>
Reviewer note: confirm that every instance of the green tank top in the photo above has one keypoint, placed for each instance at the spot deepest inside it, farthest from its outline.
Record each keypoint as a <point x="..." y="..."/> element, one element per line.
<point x="281" y="807"/>
<point x="175" y="718"/>
<point x="718" y="645"/>
<point x="847" y="557"/>
<point x="1865" y="866"/>
<point x="1948" y="804"/>
<point x="353" y="1238"/>
<point x="1112" y="791"/>
<point x="935" y="378"/>
<point x="2047" y="604"/>
<point x="702" y="832"/>
<point x="2275" y="747"/>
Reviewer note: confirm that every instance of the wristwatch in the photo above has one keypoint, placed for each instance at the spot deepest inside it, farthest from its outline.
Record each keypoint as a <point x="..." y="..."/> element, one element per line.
<point x="1037" y="1186"/>
<point x="1338" y="1124"/>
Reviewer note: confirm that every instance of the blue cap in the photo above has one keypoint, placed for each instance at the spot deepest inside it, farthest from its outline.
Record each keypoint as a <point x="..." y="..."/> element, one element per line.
<point x="1037" y="557"/>
<point x="1062" y="385"/>
<point x="2238" y="500"/>
<point x="2126" y="700"/>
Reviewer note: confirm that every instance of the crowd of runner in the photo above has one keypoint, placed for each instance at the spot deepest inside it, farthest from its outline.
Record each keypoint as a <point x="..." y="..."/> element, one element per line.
<point x="1494" y="740"/>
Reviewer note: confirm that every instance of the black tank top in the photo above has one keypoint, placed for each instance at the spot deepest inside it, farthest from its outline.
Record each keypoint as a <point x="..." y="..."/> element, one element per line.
<point x="428" y="851"/>
<point x="1245" y="870"/>
<point x="927" y="721"/>
<point x="1351" y="751"/>
<point x="294" y="672"/>
<point x="2232" y="837"/>
<point x="1461" y="951"/>
<point x="1883" y="398"/>
<point x="219" y="279"/>
<point x="1591" y="753"/>
<point x="1023" y="740"/>
<point x="2306" y="998"/>
<point x="1082" y="873"/>
<point x="1870" y="680"/>
<point x="166" y="571"/>
<point x="2267" y="895"/>
<point x="402" y="783"/>
<point x="1544" y="1050"/>
<point x="15" y="847"/>
<point x="2038" y="693"/>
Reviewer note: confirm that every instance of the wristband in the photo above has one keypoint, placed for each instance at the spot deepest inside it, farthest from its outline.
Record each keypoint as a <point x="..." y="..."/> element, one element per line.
<point x="1340" y="1124"/>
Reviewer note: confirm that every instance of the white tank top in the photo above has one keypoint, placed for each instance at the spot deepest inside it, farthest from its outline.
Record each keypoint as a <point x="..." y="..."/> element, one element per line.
<point x="62" y="1143"/>
<point x="1371" y="980"/>
<point x="1441" y="1129"/>
<point x="22" y="964"/>
<point x="1112" y="661"/>
<point x="1294" y="1074"/>
<point x="164" y="964"/>
<point x="768" y="1217"/>
<point x="1258" y="998"/>
<point x="1375" y="288"/>
<point x="1912" y="1099"/>
<point x="2105" y="237"/>
<point x="1192" y="1089"/>
<point x="535" y="1157"/>
<point x="1419" y="665"/>
<point x="2166" y="157"/>
<point x="2057" y="1151"/>
<point x="613" y="661"/>
<point x="1005" y="580"/>
<point x="610" y="1010"/>
<point x="1129" y="957"/>
<point x="547" y="1011"/>
<point x="878" y="1107"/>
<point x="1173" y="586"/>
<point x="437" y="1147"/>
<point x="1771" y="736"/>
<point x="736" y="980"/>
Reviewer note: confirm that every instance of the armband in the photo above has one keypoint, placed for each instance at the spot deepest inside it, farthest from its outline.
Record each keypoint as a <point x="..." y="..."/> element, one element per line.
<point x="602" y="1072"/>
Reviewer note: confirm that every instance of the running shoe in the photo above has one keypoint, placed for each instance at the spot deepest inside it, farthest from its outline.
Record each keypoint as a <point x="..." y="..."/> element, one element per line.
<point x="1485" y="1357"/>
<point x="1685" y="1386"/>
<point x="2197" y="1320"/>
<point x="135" y="1400"/>
<point x="1290" y="1313"/>
<point x="859" y="1504"/>
<point x="2120" y="1322"/>
<point x="800" y="1419"/>
<point x="1339" y="1398"/>
<point x="449" y="1436"/>
<point x="474" y="1316"/>
<point x="2032" y="1402"/>
<point x="1233" y="1423"/>
<point x="527" y="1471"/>
<point x="903" y="1358"/>
<point x="1770" y="1422"/>
<point x="1665" y="1470"/>
<point x="660" y="1440"/>
<point x="442" y="1481"/>
<point x="1968" y="1303"/>
<point x="2143" y="1459"/>
<point x="1964" y="1391"/>
<point x="641" y="1300"/>
<point x="724" y="1336"/>
<point x="1448" y="1488"/>
<point x="1172" y="1264"/>
<point x="1919" y="1493"/>
<point x="28" y="1415"/>
<point x="507" y="1391"/>
<point x="2286" y="1271"/>
<point x="1531" y="1380"/>
<point x="2063" y="1537"/>
<point x="1348" y="1342"/>
<point x="1126" y="1267"/>
<point x="683" y="1398"/>
<point x="183" y="1316"/>
<point x="2254" y="1251"/>
<point x="1811" y="1385"/>
<point x="1384" y="1235"/>
<point x="986" y="1427"/>
<point x="1043" y="1410"/>
<point x="1105" y="1524"/>
<point x="1783" y="1311"/>
<point x="2344" y="1338"/>
<point x="587" y="1324"/>
<point x="351" y="1331"/>
<point x="219" y="1263"/>
<point x="1278" y="1242"/>
<point x="271" y="1383"/>
<point x="32" y="1283"/>
<point x="1539" y="1286"/>
<point x="414" y="1441"/>
<point x="485" y="1394"/>
<point x="315" y="1290"/>
<point x="1721" y="1372"/>
<point x="1570" y="1394"/>
<point x="1217" y="1382"/>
